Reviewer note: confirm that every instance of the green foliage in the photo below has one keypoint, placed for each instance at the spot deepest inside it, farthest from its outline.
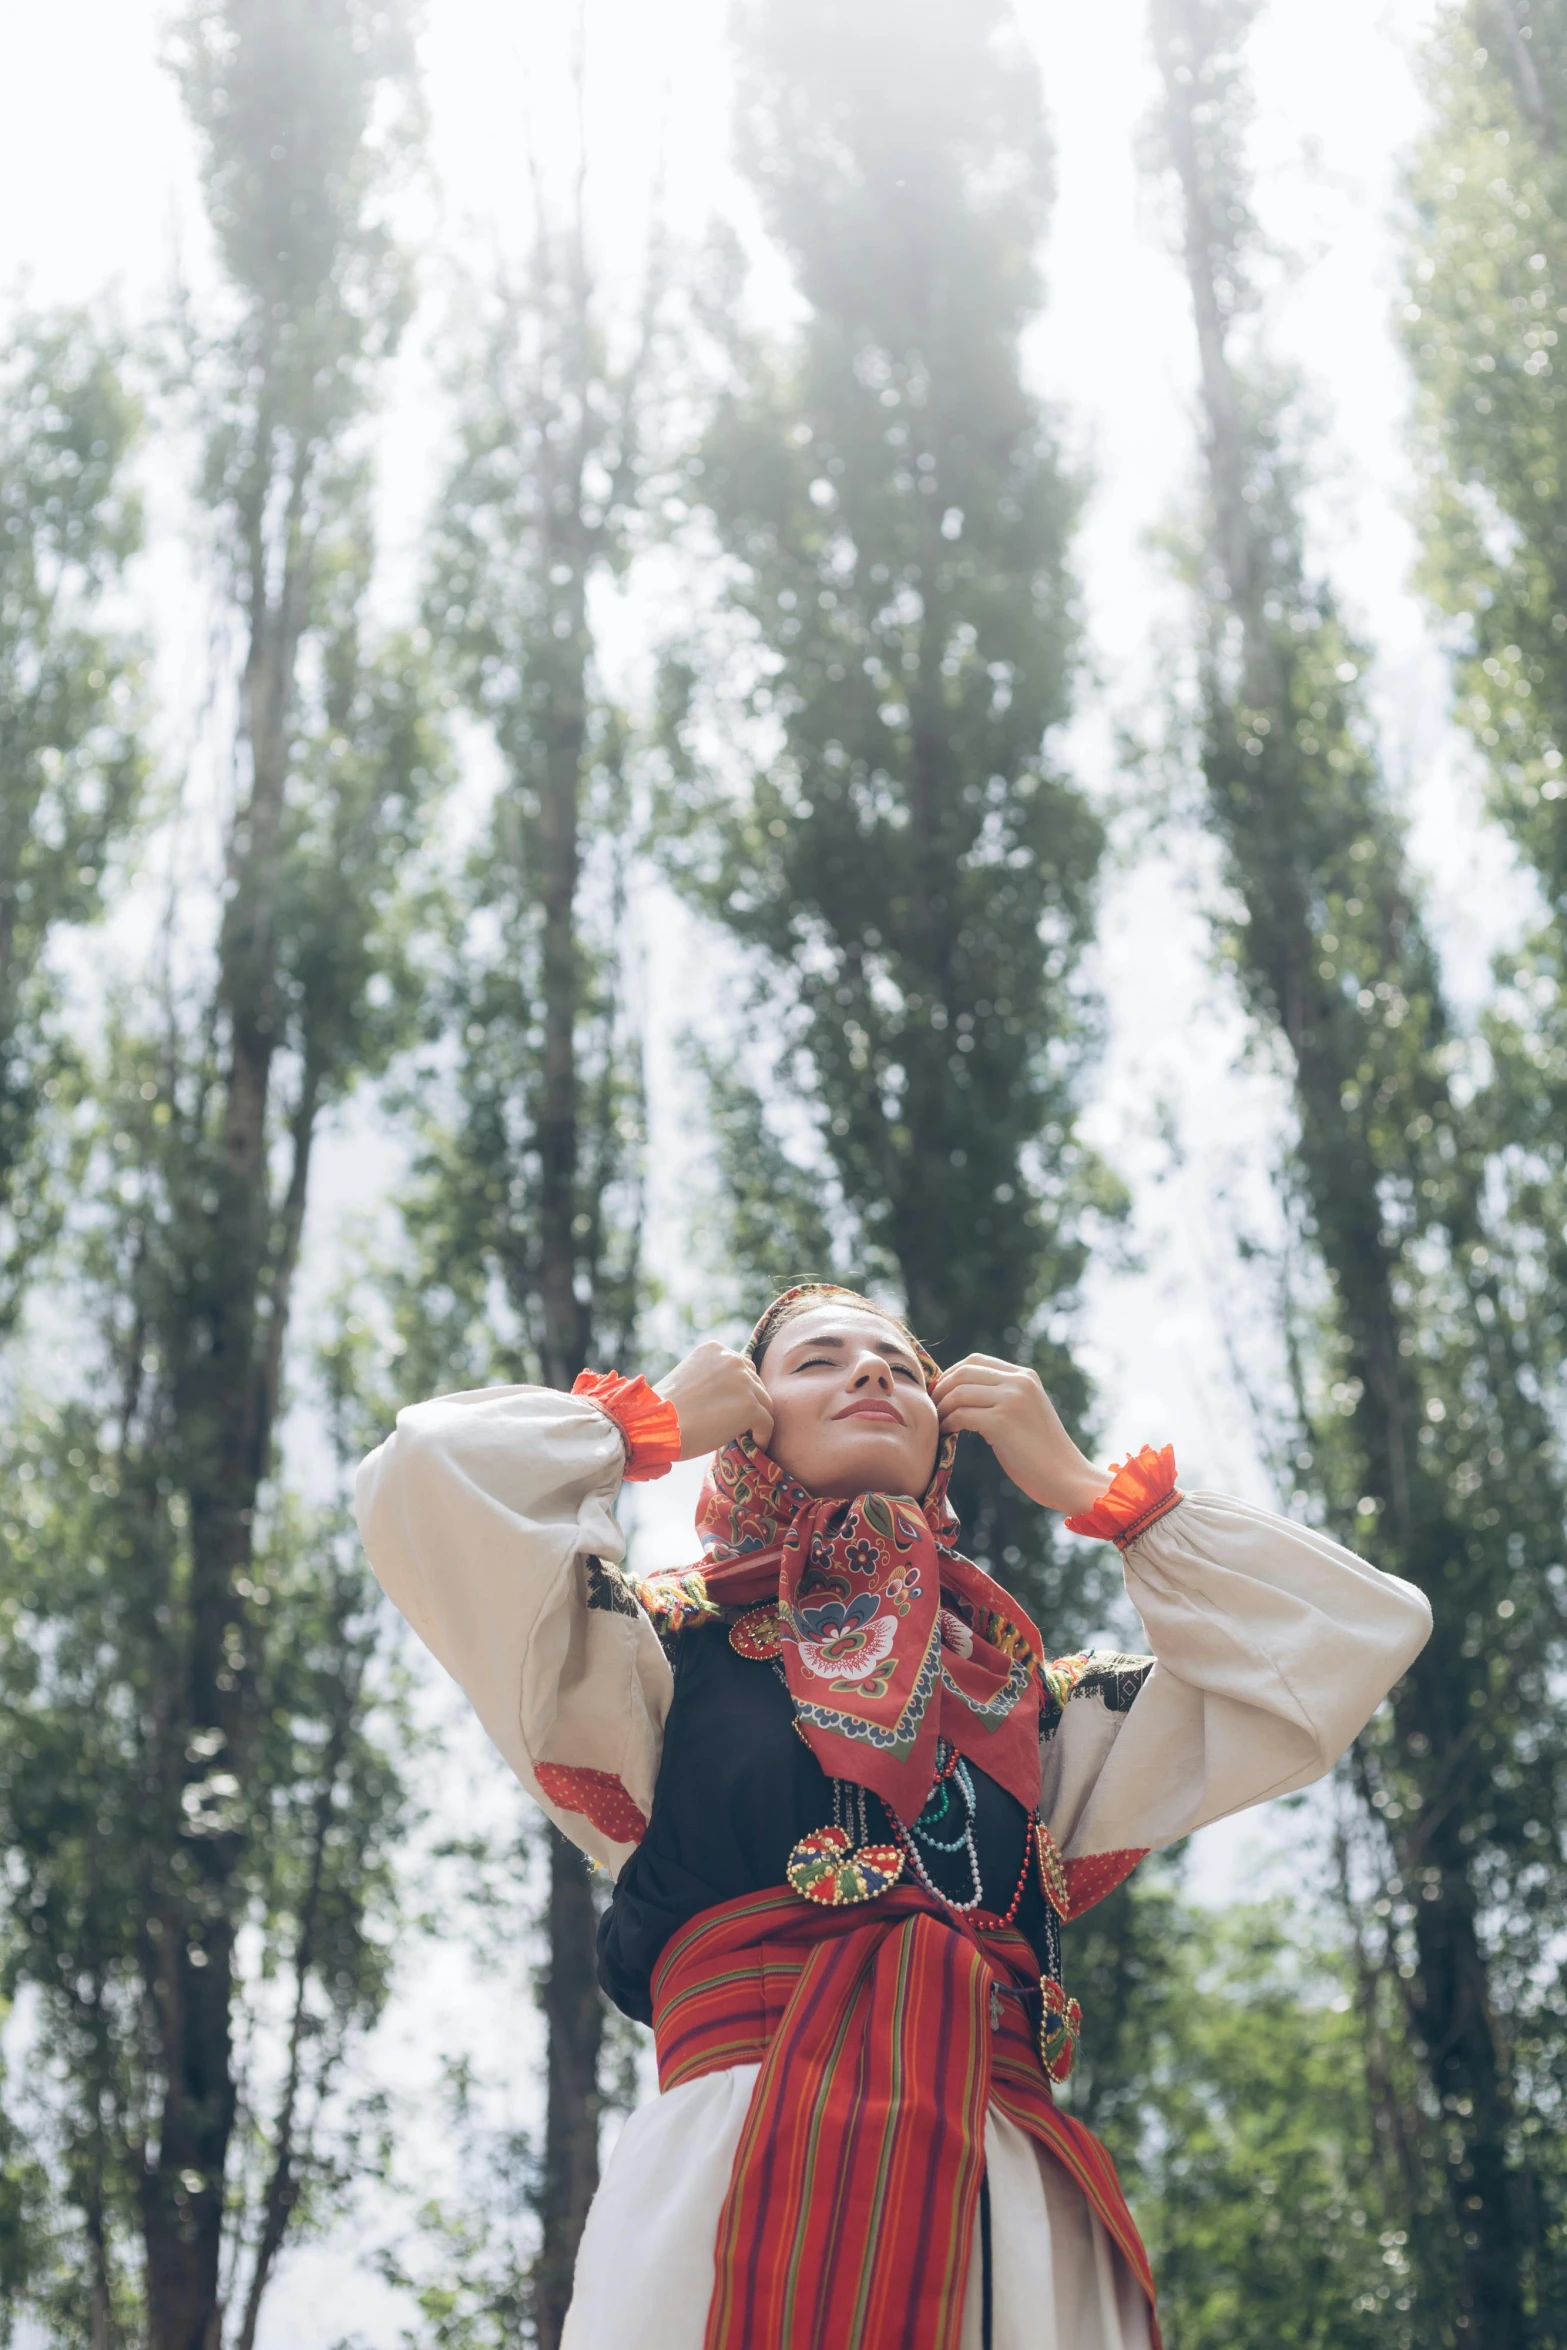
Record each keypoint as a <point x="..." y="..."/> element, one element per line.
<point x="1250" y="2150"/>
<point x="776" y="1221"/>
<point x="1488" y="270"/>
<point x="884" y="829"/>
<point x="24" y="2217"/>
<point x="1423" y="1434"/>
<point x="200" y="1781"/>
<point x="1489" y="278"/>
<point x="472" y="1305"/>
<point x="305" y="111"/>
<point x="70" y="763"/>
<point x="106" y="1846"/>
<point x="525" y="1209"/>
<point x="473" y="2291"/>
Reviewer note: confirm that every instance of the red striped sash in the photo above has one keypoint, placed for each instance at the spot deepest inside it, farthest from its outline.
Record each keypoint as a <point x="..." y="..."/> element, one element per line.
<point x="850" y="2212"/>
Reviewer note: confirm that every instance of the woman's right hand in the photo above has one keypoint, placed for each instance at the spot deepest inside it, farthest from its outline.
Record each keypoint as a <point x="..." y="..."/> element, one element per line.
<point x="717" y="1394"/>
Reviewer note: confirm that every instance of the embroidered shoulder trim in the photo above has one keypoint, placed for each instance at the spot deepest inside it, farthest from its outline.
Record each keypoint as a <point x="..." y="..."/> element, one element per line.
<point x="1058" y="1678"/>
<point x="607" y="1587"/>
<point x="1113" y="1679"/>
<point x="649" y="1424"/>
<point x="1139" y="1493"/>
<point x="675" y="1599"/>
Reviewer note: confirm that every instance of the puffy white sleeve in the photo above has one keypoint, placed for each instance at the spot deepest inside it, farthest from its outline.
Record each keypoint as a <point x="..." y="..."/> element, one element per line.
<point x="1272" y="1647"/>
<point x="489" y="1520"/>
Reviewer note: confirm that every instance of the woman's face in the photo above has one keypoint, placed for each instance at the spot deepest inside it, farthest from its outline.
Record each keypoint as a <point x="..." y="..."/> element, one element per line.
<point x="850" y="1411"/>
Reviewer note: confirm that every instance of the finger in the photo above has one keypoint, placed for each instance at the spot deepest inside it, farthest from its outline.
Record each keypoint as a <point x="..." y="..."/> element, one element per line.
<point x="971" y="1368"/>
<point x="985" y="1406"/>
<point x="973" y="1396"/>
<point x="996" y="1365"/>
<point x="762" y="1421"/>
<point x="965" y="1423"/>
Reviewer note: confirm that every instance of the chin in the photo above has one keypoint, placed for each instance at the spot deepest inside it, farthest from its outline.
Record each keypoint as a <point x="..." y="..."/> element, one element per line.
<point x="873" y="1470"/>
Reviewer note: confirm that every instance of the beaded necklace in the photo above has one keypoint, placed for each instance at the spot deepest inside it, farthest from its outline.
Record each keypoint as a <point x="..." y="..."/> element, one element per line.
<point x="826" y="1867"/>
<point x="953" y="1767"/>
<point x="912" y="1838"/>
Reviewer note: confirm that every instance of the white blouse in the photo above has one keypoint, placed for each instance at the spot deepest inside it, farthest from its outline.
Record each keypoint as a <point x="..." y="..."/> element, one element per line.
<point x="486" y="1515"/>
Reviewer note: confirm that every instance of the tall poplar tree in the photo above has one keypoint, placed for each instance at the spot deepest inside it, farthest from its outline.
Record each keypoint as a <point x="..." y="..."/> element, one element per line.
<point x="195" y="1807"/>
<point x="1426" y="1444"/>
<point x="70" y="761"/>
<point x="70" y="773"/>
<point x="1482" y="326"/>
<point x="525" y="1212"/>
<point x="885" y="830"/>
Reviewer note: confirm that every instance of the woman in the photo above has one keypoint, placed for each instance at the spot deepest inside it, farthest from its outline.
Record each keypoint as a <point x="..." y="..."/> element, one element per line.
<point x="847" y="1801"/>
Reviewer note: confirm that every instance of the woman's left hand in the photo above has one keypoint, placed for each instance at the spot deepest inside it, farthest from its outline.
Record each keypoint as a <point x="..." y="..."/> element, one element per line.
<point x="1007" y="1405"/>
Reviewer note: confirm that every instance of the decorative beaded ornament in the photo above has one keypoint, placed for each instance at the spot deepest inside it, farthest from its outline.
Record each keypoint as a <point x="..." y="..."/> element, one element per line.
<point x="1052" y="1871"/>
<point x="756" y="1634"/>
<point x="826" y="1867"/>
<point x="1060" y="2028"/>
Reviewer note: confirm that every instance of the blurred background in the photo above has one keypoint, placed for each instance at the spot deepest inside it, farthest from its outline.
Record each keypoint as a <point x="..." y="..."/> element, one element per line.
<point x="645" y="651"/>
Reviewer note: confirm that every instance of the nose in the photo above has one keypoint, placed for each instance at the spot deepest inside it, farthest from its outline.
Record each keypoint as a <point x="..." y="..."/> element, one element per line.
<point x="872" y="1372"/>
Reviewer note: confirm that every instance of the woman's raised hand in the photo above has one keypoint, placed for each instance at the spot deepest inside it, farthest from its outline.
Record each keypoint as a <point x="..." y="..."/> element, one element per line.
<point x="1007" y="1405"/>
<point x="717" y="1394"/>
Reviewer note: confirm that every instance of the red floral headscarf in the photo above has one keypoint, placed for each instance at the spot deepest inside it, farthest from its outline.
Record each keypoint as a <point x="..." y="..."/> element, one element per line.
<point x="889" y="1637"/>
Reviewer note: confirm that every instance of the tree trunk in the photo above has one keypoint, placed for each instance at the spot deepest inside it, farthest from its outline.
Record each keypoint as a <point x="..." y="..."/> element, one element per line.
<point x="573" y="2004"/>
<point x="221" y="1404"/>
<point x="565" y="1315"/>
<point x="182" y="2194"/>
<point x="282" y="2188"/>
<point x="574" y="2020"/>
<point x="1525" y="73"/>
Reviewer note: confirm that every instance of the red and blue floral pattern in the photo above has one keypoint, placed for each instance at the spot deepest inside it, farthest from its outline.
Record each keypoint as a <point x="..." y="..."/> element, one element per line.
<point x="887" y="1635"/>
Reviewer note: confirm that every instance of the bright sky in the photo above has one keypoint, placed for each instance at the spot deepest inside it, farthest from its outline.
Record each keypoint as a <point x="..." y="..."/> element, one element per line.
<point x="96" y="189"/>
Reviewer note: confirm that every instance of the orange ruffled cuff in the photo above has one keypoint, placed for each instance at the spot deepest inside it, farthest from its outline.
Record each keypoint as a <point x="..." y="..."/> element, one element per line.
<point x="1142" y="1489"/>
<point x="649" y="1423"/>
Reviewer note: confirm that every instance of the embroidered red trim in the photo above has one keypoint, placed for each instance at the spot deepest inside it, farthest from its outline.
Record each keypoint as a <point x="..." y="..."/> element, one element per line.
<point x="648" y="1422"/>
<point x="1139" y="1493"/>
<point x="1053" y="1880"/>
<point x="1088" y="1880"/>
<point x="598" y="1796"/>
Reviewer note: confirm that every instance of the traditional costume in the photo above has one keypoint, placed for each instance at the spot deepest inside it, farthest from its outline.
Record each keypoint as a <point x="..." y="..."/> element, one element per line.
<point x="848" y="1801"/>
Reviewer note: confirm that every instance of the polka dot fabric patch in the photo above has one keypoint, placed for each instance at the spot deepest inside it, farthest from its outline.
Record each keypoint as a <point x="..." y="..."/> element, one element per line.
<point x="598" y="1795"/>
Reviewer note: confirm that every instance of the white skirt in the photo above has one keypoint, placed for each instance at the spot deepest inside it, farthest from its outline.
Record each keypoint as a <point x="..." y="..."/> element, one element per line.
<point x="645" y="2268"/>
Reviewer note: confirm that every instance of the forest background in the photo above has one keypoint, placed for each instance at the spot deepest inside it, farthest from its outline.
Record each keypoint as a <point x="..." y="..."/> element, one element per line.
<point x="992" y="723"/>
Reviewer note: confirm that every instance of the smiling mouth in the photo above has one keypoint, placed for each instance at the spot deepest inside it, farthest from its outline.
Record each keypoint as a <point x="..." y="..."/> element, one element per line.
<point x="872" y="1411"/>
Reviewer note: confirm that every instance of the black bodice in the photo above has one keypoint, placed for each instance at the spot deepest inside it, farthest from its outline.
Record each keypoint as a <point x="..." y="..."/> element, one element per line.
<point x="737" y="1789"/>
